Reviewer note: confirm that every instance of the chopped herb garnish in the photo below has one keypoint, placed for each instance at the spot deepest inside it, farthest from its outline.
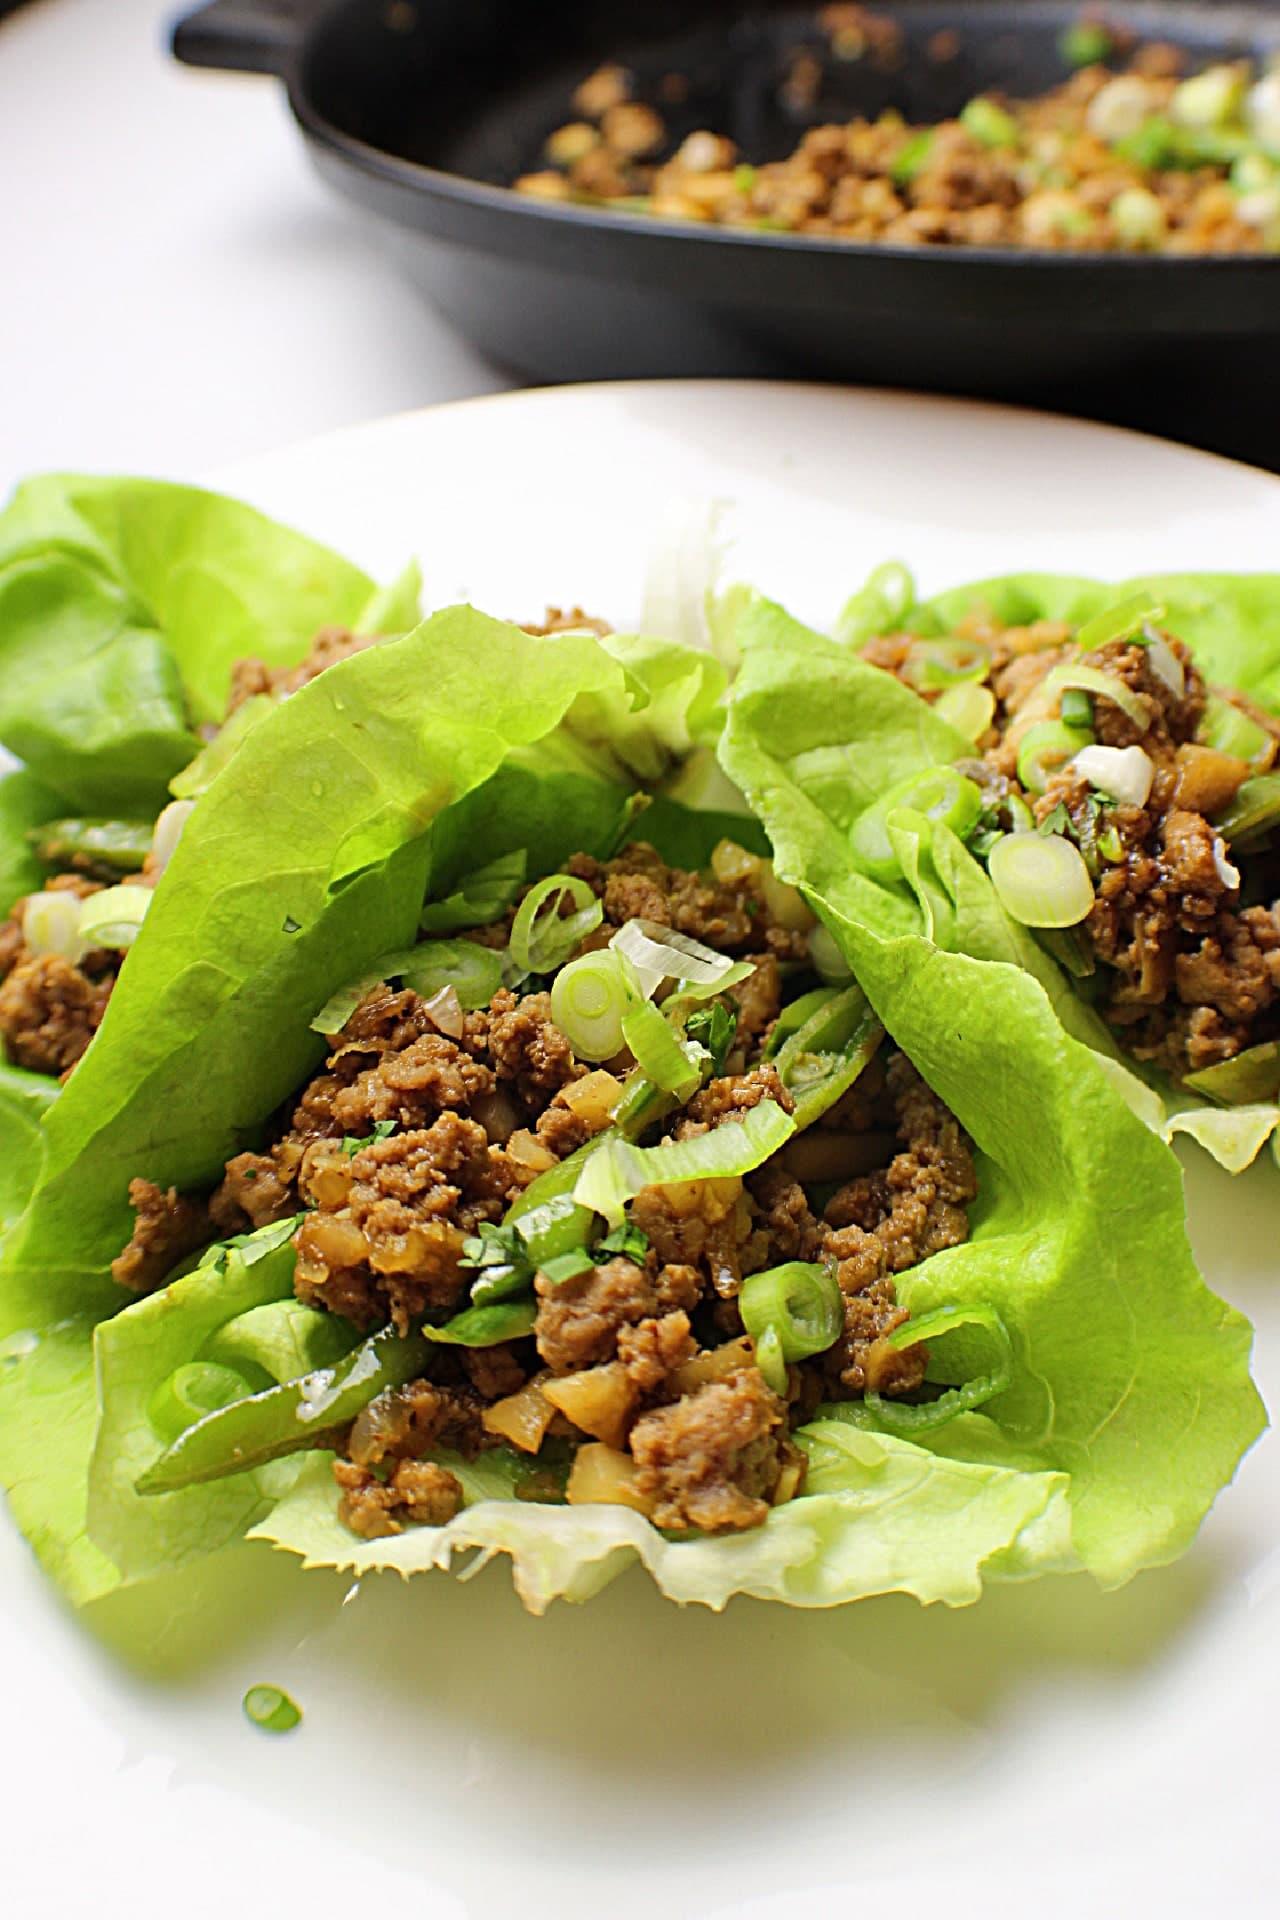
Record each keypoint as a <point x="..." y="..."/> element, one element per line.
<point x="713" y="1027"/>
<point x="382" y="1129"/>
<point x="565" y="1266"/>
<point x="626" y="1241"/>
<point x="1059" y="821"/>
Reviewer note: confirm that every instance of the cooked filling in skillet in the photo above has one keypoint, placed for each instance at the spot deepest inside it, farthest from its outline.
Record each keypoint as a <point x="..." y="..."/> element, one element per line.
<point x="61" y="950"/>
<point x="615" y="1182"/>
<point x="1127" y="154"/>
<point x="1129" y="811"/>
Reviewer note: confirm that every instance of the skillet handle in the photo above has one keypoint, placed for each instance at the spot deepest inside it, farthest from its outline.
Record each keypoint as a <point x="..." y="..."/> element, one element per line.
<point x="244" y="36"/>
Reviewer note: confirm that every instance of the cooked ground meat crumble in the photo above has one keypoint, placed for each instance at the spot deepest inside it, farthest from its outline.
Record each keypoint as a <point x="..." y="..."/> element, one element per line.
<point x="1109" y="160"/>
<point x="1186" y="965"/>
<point x="638" y="1365"/>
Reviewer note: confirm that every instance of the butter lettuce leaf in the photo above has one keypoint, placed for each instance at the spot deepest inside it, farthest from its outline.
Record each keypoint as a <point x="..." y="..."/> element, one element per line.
<point x="124" y="604"/>
<point x="1131" y="1377"/>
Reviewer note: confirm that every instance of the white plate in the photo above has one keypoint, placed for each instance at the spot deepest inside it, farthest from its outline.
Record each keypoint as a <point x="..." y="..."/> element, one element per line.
<point x="1047" y="1748"/>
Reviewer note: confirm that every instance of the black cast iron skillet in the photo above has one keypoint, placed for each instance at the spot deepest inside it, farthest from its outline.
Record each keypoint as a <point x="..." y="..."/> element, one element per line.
<point x="421" y="110"/>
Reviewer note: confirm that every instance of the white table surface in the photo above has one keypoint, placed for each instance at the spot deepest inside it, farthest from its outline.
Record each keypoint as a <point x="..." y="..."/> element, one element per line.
<point x="179" y="291"/>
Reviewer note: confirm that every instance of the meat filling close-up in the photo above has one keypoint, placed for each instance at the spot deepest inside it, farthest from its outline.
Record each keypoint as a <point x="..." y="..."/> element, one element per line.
<point x="626" y="1196"/>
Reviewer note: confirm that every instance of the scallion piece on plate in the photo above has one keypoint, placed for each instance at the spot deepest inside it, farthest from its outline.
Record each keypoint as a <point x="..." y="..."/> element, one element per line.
<point x="271" y="1709"/>
<point x="1041" y="879"/>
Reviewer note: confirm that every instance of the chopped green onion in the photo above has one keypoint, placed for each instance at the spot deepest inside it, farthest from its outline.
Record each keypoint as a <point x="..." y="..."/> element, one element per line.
<point x="474" y="972"/>
<point x="564" y="1266"/>
<point x="1151" y="145"/>
<point x="612" y="1178"/>
<point x="744" y="178"/>
<point x="659" y="1053"/>
<point x="1138" y="217"/>
<point x="1229" y="730"/>
<point x="1046" y="748"/>
<point x="942" y="794"/>
<point x="190" y="1392"/>
<point x="479" y="898"/>
<point x="900" y="1417"/>
<point x="1076" y="709"/>
<point x="1108" y="685"/>
<point x="1111" y="847"/>
<point x="171" y="824"/>
<point x="542" y="938"/>
<point x="555" y="1226"/>
<point x="951" y="662"/>
<point x="51" y="924"/>
<point x="1085" y="43"/>
<point x="989" y="124"/>
<point x="589" y="1001"/>
<point x="1253" y="813"/>
<point x="1208" y="99"/>
<point x="1251" y="1077"/>
<point x="625" y="1241"/>
<point x="103" y="848"/>
<point x="970" y="709"/>
<point x="880" y="605"/>
<point x="1122" y="622"/>
<point x="829" y="962"/>
<point x="1042" y="882"/>
<point x="271" y="1709"/>
<point x="771" y="1360"/>
<point x="562" y="1178"/>
<point x="113" y="917"/>
<point x="801" y="1305"/>
<point x="659" y="953"/>
<point x="795" y="1014"/>
<point x="911" y="158"/>
<point x="821" y="1059"/>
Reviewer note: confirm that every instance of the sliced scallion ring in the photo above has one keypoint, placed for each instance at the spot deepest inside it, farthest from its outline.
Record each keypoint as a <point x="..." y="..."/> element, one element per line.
<point x="617" y="1171"/>
<point x="1228" y="729"/>
<point x="112" y="918"/>
<point x="942" y="794"/>
<point x="1041" y="879"/>
<point x="1124" y="621"/>
<point x="542" y="936"/>
<point x="1109" y="685"/>
<point x="590" y="999"/>
<point x="659" y="951"/>
<point x="1044" y="749"/>
<point x="950" y="662"/>
<point x="51" y="924"/>
<point x="970" y="708"/>
<point x="802" y="1303"/>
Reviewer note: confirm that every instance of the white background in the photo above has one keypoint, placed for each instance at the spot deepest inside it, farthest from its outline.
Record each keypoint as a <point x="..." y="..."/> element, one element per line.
<point x="178" y="289"/>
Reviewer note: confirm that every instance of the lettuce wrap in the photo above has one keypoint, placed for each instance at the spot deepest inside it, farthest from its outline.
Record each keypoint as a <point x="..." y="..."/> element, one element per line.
<point x="1127" y="1401"/>
<point x="874" y="731"/>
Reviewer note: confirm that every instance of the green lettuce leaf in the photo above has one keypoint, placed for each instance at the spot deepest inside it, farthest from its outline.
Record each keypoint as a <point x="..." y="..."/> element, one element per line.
<point x="307" y="857"/>
<point x="123" y="605"/>
<point x="847" y="714"/>
<point x="24" y="803"/>
<point x="1131" y="1377"/>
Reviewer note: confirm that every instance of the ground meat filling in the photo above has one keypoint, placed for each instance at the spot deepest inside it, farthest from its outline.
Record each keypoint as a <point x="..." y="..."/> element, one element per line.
<point x="1187" y="969"/>
<point x="411" y="1140"/>
<point x="1059" y="171"/>
<point x="51" y="1007"/>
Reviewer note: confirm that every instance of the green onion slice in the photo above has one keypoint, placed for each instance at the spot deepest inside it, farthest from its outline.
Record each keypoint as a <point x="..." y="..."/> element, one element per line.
<point x="191" y="1392"/>
<point x="1076" y="709"/>
<point x="880" y="605"/>
<point x="900" y="1417"/>
<point x="1253" y="813"/>
<point x="911" y="158"/>
<point x="988" y="123"/>
<point x="660" y="953"/>
<point x="613" y="1177"/>
<point x="542" y="935"/>
<point x="474" y="973"/>
<point x="271" y="1709"/>
<point x="1095" y="680"/>
<point x="112" y="918"/>
<point x="942" y="794"/>
<point x="771" y="1360"/>
<point x="1252" y="1076"/>
<point x="1229" y="730"/>
<point x="819" y="1062"/>
<point x="1124" y="621"/>
<point x="479" y="898"/>
<point x="104" y="847"/>
<point x="659" y="1052"/>
<point x="801" y="1303"/>
<point x="969" y="708"/>
<point x="1042" y="880"/>
<point x="1044" y="749"/>
<point x="932" y="664"/>
<point x="794" y="1016"/>
<point x="51" y="924"/>
<point x="589" y="1002"/>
